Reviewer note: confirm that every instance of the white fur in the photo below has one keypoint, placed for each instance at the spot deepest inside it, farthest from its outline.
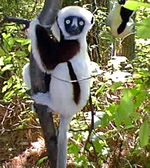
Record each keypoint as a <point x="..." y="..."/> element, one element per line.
<point x="114" y="21"/>
<point x="72" y="11"/>
<point x="62" y="14"/>
<point x="26" y="75"/>
<point x="32" y="36"/>
<point x="60" y="96"/>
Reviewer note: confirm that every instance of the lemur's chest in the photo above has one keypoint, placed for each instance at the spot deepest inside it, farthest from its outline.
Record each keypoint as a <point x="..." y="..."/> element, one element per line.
<point x="71" y="78"/>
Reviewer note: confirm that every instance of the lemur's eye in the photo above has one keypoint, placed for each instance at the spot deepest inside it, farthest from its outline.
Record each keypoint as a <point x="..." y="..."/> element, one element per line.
<point x="81" y="23"/>
<point x="68" y="21"/>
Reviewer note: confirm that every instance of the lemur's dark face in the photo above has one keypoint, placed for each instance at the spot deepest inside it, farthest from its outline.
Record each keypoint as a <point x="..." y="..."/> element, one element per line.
<point x="74" y="25"/>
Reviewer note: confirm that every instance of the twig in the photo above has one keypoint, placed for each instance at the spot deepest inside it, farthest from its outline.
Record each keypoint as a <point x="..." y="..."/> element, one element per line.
<point x="15" y="130"/>
<point x="8" y="108"/>
<point x="92" y="113"/>
<point x="78" y="130"/>
<point x="8" y="19"/>
<point x="76" y="142"/>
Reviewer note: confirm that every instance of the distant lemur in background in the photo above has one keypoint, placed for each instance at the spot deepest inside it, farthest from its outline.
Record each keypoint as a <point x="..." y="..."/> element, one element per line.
<point x="66" y="60"/>
<point x="120" y="21"/>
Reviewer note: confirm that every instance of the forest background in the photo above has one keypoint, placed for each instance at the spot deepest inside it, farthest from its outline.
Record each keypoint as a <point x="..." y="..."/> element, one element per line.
<point x="120" y="94"/>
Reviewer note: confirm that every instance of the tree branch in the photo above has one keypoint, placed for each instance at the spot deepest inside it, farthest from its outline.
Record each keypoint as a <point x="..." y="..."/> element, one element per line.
<point x="8" y="19"/>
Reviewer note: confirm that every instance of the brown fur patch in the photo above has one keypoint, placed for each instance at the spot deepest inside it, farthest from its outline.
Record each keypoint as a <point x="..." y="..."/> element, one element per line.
<point x="76" y="86"/>
<point x="53" y="52"/>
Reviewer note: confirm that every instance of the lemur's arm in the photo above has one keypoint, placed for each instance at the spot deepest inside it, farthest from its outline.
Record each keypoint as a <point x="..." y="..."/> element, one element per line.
<point x="48" y="52"/>
<point x="43" y="47"/>
<point x="47" y="48"/>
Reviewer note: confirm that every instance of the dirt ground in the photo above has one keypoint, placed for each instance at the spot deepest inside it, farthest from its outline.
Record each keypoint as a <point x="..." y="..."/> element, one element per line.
<point x="21" y="142"/>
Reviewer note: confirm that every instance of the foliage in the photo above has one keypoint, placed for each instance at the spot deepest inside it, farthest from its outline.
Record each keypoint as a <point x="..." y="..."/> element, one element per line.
<point x="20" y="8"/>
<point x="143" y="24"/>
<point x="121" y="122"/>
<point x="121" y="134"/>
<point x="13" y="51"/>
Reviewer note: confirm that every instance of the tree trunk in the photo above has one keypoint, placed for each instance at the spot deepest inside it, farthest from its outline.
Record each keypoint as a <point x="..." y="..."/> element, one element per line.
<point x="44" y="113"/>
<point x="128" y="47"/>
<point x="128" y="44"/>
<point x="46" y="17"/>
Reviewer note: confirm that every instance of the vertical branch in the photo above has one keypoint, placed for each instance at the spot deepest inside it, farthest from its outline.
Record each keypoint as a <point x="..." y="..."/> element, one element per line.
<point x="128" y="47"/>
<point x="44" y="113"/>
<point x="49" y="12"/>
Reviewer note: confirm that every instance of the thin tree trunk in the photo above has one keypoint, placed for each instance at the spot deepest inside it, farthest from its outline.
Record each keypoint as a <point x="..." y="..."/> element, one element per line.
<point x="46" y="17"/>
<point x="128" y="47"/>
<point x="128" y="44"/>
<point x="44" y="113"/>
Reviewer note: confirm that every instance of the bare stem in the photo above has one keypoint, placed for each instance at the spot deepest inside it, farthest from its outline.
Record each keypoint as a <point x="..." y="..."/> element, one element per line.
<point x="8" y="19"/>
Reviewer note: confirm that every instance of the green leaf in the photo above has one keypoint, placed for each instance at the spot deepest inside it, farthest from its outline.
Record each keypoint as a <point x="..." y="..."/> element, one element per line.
<point x="2" y="52"/>
<point x="98" y="146"/>
<point x="144" y="134"/>
<point x="39" y="162"/>
<point x="29" y="47"/>
<point x="143" y="29"/>
<point x="23" y="41"/>
<point x="109" y="115"/>
<point x="1" y="62"/>
<point x="21" y="53"/>
<point x="8" y="60"/>
<point x="9" y="95"/>
<point x="7" y="67"/>
<point x="101" y="89"/>
<point x="11" y="42"/>
<point x="115" y="86"/>
<point x="5" y="87"/>
<point x="134" y="5"/>
<point x="118" y="118"/>
<point x="126" y="103"/>
<point x="8" y="84"/>
<point x="125" y="109"/>
<point x="73" y="148"/>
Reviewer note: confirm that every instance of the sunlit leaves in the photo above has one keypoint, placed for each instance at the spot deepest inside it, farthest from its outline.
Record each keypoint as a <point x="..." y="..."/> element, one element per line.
<point x="1" y="61"/>
<point x="74" y="148"/>
<point x="143" y="26"/>
<point x="13" y="55"/>
<point x="2" y="52"/>
<point x="125" y="109"/>
<point x="40" y="161"/>
<point x="144" y="133"/>
<point x="115" y="86"/>
<point x="143" y="29"/>
<point x="22" y="41"/>
<point x="134" y="5"/>
<point x="6" y="67"/>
